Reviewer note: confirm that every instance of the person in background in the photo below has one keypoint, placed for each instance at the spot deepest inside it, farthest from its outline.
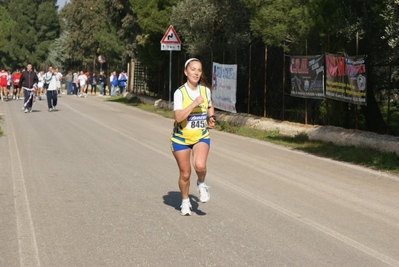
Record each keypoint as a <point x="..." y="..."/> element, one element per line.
<point x="87" y="74"/>
<point x="101" y="82"/>
<point x="15" y="80"/>
<point x="122" y="80"/>
<point x="40" y="85"/>
<point x="9" y="83"/>
<point x="82" y="84"/>
<point x="194" y="116"/>
<point x="28" y="83"/>
<point x="68" y="80"/>
<point x="75" y="83"/>
<point x="51" y="78"/>
<point x="113" y="81"/>
<point x="3" y="85"/>
<point x="59" y="81"/>
<point x="93" y="83"/>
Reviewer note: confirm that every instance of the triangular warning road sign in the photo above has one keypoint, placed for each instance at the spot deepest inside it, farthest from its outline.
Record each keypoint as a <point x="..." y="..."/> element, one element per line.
<point x="170" y="37"/>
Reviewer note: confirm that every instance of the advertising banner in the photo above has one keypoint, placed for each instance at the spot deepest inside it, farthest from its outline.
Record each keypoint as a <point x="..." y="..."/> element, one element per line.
<point x="307" y="76"/>
<point x="224" y="82"/>
<point x="346" y="78"/>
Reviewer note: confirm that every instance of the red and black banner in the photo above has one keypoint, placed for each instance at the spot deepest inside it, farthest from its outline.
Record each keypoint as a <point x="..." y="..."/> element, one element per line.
<point x="346" y="78"/>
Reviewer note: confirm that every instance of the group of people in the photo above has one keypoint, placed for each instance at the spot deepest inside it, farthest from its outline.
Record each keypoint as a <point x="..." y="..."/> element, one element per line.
<point x="30" y="85"/>
<point x="50" y="84"/>
<point x="9" y="84"/>
<point x="78" y="83"/>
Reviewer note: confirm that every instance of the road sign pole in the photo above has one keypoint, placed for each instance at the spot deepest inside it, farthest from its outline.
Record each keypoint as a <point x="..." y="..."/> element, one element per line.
<point x="171" y="42"/>
<point x="170" y="76"/>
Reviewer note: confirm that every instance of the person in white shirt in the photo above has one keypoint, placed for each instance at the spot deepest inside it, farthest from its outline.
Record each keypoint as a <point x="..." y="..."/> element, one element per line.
<point x="83" y="84"/>
<point x="59" y="82"/>
<point x="51" y="78"/>
<point x="40" y="84"/>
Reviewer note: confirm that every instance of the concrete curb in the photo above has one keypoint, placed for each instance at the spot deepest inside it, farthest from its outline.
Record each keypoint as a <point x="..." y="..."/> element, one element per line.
<point x="335" y="135"/>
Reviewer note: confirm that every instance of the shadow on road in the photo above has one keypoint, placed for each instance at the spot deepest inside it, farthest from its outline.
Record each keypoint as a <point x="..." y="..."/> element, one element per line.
<point x="173" y="199"/>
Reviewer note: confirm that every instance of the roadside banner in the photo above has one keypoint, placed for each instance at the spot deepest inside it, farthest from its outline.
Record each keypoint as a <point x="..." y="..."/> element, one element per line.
<point x="346" y="78"/>
<point x="307" y="76"/>
<point x="224" y="83"/>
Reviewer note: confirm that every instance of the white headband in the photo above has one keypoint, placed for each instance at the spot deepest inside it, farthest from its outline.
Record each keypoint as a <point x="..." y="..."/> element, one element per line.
<point x="189" y="60"/>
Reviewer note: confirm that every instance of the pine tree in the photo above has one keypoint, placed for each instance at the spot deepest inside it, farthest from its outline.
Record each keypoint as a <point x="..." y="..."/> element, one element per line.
<point x="36" y="28"/>
<point x="6" y="26"/>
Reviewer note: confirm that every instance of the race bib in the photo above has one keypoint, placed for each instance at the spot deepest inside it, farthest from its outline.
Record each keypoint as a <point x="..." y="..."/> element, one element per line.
<point x="195" y="122"/>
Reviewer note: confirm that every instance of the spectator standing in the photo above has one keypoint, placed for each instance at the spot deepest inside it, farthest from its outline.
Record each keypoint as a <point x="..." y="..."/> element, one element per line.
<point x="87" y="74"/>
<point x="101" y="82"/>
<point x="122" y="80"/>
<point x="113" y="80"/>
<point x="28" y="82"/>
<point x="75" y="83"/>
<point x="59" y="81"/>
<point x="68" y="80"/>
<point x="93" y="83"/>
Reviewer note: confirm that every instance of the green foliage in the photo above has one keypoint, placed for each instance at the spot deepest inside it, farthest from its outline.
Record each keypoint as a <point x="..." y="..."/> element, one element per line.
<point x="124" y="20"/>
<point x="211" y="23"/>
<point x="36" y="26"/>
<point x="280" y="22"/>
<point x="56" y="56"/>
<point x="196" y="30"/>
<point x="6" y="26"/>
<point x="90" y="33"/>
<point x="153" y="15"/>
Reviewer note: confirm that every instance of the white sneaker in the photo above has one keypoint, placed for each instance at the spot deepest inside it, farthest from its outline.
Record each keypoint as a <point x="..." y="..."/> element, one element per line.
<point x="26" y="110"/>
<point x="50" y="109"/>
<point x="185" y="209"/>
<point x="203" y="191"/>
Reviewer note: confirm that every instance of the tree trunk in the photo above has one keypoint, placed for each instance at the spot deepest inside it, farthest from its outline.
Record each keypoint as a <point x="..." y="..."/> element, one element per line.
<point x="372" y="114"/>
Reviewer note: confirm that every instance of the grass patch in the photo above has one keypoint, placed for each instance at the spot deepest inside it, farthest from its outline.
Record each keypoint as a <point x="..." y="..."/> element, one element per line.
<point x="1" y="131"/>
<point x="135" y="101"/>
<point x="356" y="155"/>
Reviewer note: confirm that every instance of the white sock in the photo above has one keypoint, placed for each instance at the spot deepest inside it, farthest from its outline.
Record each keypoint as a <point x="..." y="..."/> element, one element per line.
<point x="186" y="200"/>
<point x="202" y="184"/>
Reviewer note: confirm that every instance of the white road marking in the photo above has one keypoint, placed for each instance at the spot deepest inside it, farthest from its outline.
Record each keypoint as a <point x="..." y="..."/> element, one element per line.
<point x="28" y="250"/>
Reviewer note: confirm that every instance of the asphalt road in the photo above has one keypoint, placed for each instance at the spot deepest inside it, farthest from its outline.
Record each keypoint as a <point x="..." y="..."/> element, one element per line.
<point x="95" y="184"/>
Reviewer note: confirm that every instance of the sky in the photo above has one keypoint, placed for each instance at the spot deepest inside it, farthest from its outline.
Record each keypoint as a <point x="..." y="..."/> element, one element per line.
<point x="61" y="3"/>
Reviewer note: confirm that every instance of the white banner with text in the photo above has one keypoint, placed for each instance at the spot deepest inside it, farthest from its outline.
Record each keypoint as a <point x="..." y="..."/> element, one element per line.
<point x="224" y="82"/>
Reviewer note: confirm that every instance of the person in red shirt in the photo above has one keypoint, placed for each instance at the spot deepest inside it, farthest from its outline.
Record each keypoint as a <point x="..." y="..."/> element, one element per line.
<point x="3" y="85"/>
<point x="15" y="81"/>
